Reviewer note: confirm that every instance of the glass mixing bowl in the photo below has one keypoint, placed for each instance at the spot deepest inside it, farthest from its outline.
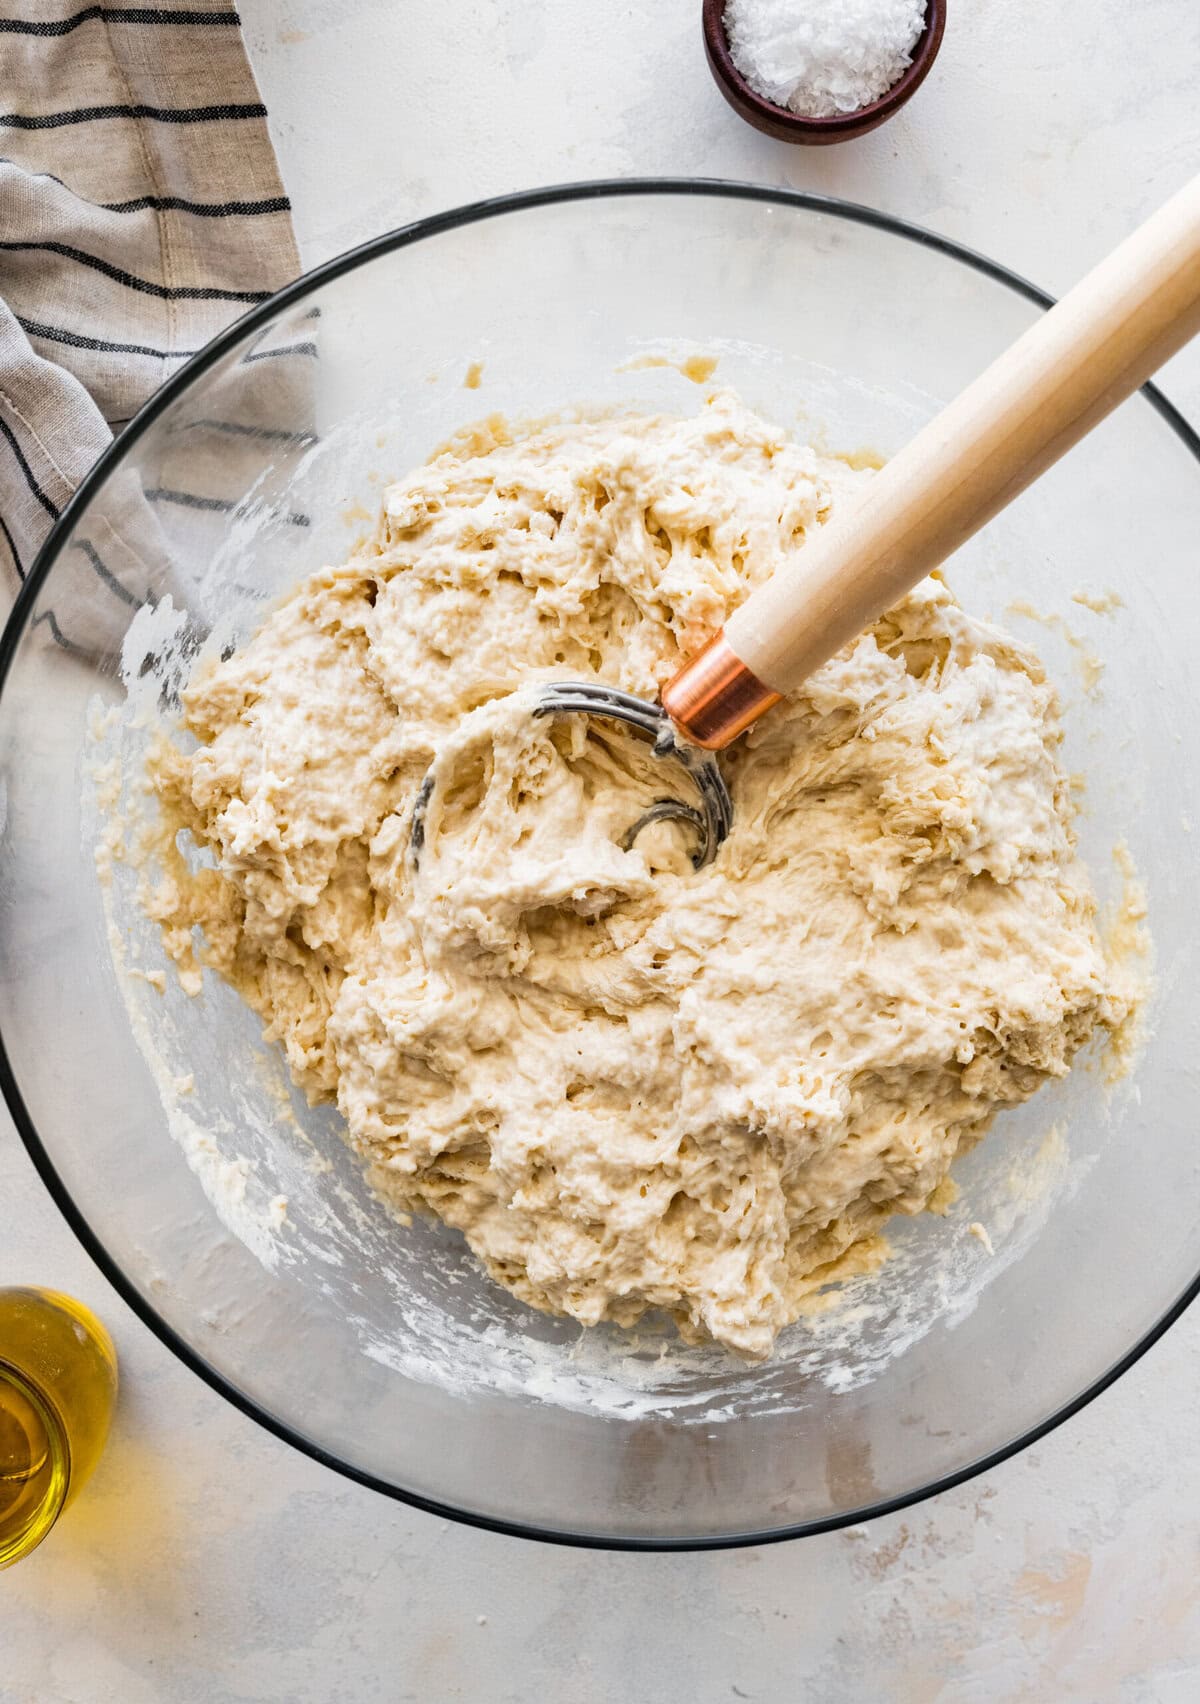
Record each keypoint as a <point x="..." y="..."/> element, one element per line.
<point x="233" y="1219"/>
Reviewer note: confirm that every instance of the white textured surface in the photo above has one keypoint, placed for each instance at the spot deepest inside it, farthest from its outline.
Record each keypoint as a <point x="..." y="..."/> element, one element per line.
<point x="210" y="1563"/>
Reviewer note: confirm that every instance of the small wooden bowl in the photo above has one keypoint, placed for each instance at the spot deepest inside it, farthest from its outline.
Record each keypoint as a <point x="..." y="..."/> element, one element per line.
<point x="788" y="126"/>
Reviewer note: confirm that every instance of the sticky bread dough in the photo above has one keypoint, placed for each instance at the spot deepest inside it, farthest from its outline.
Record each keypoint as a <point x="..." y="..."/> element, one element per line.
<point x="629" y="1084"/>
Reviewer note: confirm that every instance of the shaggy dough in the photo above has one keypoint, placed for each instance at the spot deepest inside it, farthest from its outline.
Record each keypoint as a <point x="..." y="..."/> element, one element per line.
<point x="633" y="1086"/>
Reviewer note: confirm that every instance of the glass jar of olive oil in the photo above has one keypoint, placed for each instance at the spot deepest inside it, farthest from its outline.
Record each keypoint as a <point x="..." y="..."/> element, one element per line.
<point x="58" y="1384"/>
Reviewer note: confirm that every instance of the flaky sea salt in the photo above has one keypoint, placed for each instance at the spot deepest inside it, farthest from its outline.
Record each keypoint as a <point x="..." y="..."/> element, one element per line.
<point x="822" y="57"/>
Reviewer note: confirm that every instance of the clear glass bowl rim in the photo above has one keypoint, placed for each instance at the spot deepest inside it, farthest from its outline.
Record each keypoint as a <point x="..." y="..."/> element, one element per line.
<point x="14" y="630"/>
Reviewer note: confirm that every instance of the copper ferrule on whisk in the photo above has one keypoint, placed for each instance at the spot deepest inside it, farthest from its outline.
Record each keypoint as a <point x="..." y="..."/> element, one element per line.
<point x="715" y="697"/>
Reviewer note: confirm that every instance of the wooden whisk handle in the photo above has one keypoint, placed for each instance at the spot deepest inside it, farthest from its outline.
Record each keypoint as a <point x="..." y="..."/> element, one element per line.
<point x="1069" y="370"/>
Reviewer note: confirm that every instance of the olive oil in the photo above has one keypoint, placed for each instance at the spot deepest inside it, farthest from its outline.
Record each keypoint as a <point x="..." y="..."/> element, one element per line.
<point x="58" y="1383"/>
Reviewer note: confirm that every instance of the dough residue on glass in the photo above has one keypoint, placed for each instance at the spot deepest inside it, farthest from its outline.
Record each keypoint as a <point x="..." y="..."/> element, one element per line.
<point x="632" y="1085"/>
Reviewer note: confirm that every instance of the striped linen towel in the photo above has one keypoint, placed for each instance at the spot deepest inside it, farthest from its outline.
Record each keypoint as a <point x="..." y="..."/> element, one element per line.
<point x="141" y="210"/>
